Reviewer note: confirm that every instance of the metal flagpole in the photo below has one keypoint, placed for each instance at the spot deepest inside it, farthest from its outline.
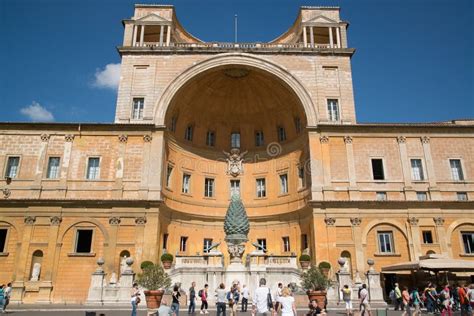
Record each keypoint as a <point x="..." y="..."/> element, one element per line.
<point x="235" y="28"/>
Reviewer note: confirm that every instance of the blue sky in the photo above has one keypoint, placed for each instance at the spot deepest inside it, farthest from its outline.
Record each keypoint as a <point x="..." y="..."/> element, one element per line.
<point x="414" y="60"/>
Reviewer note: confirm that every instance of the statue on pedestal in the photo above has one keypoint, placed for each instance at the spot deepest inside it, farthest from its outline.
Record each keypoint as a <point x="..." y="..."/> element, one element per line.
<point x="35" y="273"/>
<point x="236" y="227"/>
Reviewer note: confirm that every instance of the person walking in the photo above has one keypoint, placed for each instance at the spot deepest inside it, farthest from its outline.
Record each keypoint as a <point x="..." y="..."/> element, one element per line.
<point x="234" y="299"/>
<point x="192" y="298"/>
<point x="221" y="299"/>
<point x="445" y="297"/>
<point x="175" y="304"/>
<point x="430" y="299"/>
<point x="416" y="301"/>
<point x="364" y="301"/>
<point x="464" y="300"/>
<point x="7" y="294"/>
<point x="286" y="303"/>
<point x="203" y="294"/>
<point x="245" y="298"/>
<point x="406" y="302"/>
<point x="347" y="298"/>
<point x="262" y="300"/>
<point x="135" y="298"/>
<point x="277" y="295"/>
<point x="398" y="298"/>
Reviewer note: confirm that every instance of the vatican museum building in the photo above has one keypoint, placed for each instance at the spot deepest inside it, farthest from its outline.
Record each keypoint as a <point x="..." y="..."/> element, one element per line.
<point x="199" y="126"/>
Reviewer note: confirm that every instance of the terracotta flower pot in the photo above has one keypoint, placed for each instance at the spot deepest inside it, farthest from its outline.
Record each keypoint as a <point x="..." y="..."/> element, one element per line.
<point x="304" y="264"/>
<point x="153" y="298"/>
<point x="319" y="296"/>
<point x="167" y="264"/>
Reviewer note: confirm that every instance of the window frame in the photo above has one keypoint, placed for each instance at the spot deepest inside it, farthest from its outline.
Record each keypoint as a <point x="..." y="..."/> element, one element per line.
<point x="47" y="168"/>
<point x="286" y="243"/>
<point x="87" y="168"/>
<point x="230" y="187"/>
<point x="298" y="125"/>
<point x="281" y="133"/>
<point x="425" y="239"/>
<point x="463" y="193"/>
<point x="183" y="246"/>
<point x="304" y="242"/>
<point x="280" y="175"/>
<point x="379" y="194"/>
<point x="461" y="165"/>
<point x="235" y="141"/>
<point x="391" y="239"/>
<point x="169" y="175"/>
<point x="204" y="244"/>
<point x="383" y="168"/>
<point x="330" y="111"/>
<point x="189" y="183"/>
<point x="132" y="116"/>
<point x="422" y="170"/>
<point x="17" y="174"/>
<point x="258" y="139"/>
<point x="211" y="141"/>
<point x="261" y="193"/>
<point x="301" y="176"/>
<point x="264" y="243"/>
<point x="463" y="246"/>
<point x="189" y="132"/>
<point x="164" y="243"/>
<point x="213" y="189"/>
<point x="420" y="193"/>
<point x="76" y="239"/>
<point x="4" y="251"/>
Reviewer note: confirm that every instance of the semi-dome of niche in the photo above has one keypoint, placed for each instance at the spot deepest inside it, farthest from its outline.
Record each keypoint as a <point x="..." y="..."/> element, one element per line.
<point x="235" y="99"/>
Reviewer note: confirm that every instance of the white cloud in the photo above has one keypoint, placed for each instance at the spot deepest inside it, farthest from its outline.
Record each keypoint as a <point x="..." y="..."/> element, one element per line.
<point x="35" y="112"/>
<point x="108" y="77"/>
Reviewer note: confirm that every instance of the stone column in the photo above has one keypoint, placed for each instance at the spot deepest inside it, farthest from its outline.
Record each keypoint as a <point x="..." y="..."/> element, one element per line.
<point x="359" y="247"/>
<point x="305" y="39"/>
<point x="408" y="189"/>
<point x="44" y="295"/>
<point x="354" y="193"/>
<point x="331" y="40"/>
<point x="430" y="170"/>
<point x="338" y="36"/>
<point x="441" y="233"/>
<point x="162" y="30"/>
<point x="168" y="35"/>
<point x="135" y="31"/>
<point x="142" y="34"/>
<point x="415" y="243"/>
<point x="21" y="260"/>
<point x="311" y="34"/>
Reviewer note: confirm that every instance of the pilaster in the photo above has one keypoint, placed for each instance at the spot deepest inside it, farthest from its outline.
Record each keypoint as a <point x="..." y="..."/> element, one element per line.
<point x="354" y="193"/>
<point x="415" y="237"/>
<point x="402" y="148"/>
<point x="359" y="247"/>
<point x="441" y="234"/>
<point x="317" y="178"/>
<point x="109" y="252"/>
<point x="434" y="190"/>
<point x="326" y="160"/>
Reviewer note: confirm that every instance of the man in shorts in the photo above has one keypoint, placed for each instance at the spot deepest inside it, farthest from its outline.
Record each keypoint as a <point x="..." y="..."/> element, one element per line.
<point x="364" y="301"/>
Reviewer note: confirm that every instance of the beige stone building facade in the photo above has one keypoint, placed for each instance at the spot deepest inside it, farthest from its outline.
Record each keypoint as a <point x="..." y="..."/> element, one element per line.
<point x="311" y="178"/>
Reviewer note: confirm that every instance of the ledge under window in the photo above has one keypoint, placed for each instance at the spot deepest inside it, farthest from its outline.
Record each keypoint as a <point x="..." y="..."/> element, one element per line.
<point x="4" y="254"/>
<point x="81" y="254"/>
<point x="388" y="254"/>
<point x="467" y="255"/>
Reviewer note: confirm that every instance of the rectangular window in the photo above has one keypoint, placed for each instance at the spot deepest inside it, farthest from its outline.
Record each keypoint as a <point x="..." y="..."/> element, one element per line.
<point x="188" y="133"/>
<point x="421" y="196"/>
<point x="13" y="164"/>
<point x="235" y="140"/>
<point x="304" y="242"/>
<point x="53" y="168"/>
<point x="381" y="196"/>
<point x="93" y="168"/>
<point x="333" y="110"/>
<point x="261" y="191"/>
<point x="461" y="196"/>
<point x="377" y="169"/>
<point x="298" y="125"/>
<point x="83" y="241"/>
<point x="263" y="243"/>
<point x="182" y="243"/>
<point x="207" y="245"/>
<point x="456" y="169"/>
<point x="385" y="242"/>
<point x="301" y="177"/>
<point x="186" y="183"/>
<point x="211" y="139"/>
<point x="234" y="187"/>
<point x="209" y="187"/>
<point x="165" y="241"/>
<point x="284" y="183"/>
<point x="169" y="172"/>
<point x="138" y="106"/>
<point x="427" y="237"/>
<point x="417" y="170"/>
<point x="174" y="120"/>
<point x="3" y="239"/>
<point x="468" y="242"/>
<point x="259" y="141"/>
<point x="281" y="134"/>
<point x="286" y="244"/>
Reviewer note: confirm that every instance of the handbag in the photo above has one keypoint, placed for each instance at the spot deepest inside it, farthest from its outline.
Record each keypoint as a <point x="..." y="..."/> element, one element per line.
<point x="269" y="300"/>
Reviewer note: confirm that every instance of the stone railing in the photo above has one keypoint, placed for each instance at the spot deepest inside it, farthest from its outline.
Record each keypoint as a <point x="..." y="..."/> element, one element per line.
<point x="229" y="45"/>
<point x="257" y="259"/>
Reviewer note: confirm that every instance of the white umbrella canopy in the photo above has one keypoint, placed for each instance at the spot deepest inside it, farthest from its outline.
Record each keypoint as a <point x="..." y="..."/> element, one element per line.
<point x="432" y="263"/>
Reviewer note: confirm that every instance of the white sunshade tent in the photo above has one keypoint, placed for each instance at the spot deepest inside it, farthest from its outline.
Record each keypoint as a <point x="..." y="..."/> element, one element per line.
<point x="435" y="263"/>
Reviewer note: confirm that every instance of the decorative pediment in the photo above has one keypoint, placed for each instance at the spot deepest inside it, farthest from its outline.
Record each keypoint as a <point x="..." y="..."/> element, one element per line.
<point x="152" y="18"/>
<point x="320" y="19"/>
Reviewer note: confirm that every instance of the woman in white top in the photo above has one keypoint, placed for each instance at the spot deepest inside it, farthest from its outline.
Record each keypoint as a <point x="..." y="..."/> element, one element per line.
<point x="287" y="303"/>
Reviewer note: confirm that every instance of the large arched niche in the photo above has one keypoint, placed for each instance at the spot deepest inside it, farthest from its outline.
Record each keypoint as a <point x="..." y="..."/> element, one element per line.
<point x="234" y="60"/>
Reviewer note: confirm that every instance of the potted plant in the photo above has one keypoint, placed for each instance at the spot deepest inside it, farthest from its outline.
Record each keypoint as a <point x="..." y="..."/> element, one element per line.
<point x="315" y="283"/>
<point x="155" y="280"/>
<point x="167" y="260"/>
<point x="145" y="264"/>
<point x="304" y="261"/>
<point x="324" y="266"/>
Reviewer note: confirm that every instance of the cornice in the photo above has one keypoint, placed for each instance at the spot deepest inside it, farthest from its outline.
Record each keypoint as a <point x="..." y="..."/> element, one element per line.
<point x="372" y="204"/>
<point x="70" y="203"/>
<point x="79" y="127"/>
<point x="393" y="128"/>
